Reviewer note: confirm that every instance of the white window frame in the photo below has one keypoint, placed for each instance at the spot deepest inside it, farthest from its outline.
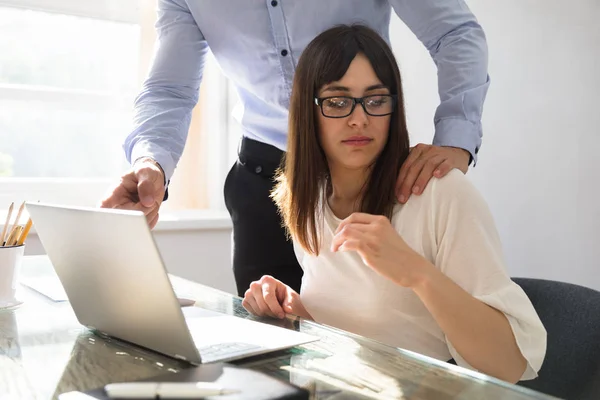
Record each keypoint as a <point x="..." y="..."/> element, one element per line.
<point x="111" y="10"/>
<point x="83" y="191"/>
<point x="217" y="142"/>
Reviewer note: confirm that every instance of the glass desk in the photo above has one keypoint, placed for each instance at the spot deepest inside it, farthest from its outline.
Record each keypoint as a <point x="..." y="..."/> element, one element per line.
<point x="44" y="352"/>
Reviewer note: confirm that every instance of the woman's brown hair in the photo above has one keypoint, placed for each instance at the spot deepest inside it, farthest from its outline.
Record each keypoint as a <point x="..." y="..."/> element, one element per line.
<point x="303" y="181"/>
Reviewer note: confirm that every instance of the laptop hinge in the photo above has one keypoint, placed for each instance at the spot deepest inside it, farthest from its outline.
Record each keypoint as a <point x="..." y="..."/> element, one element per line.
<point x="180" y="357"/>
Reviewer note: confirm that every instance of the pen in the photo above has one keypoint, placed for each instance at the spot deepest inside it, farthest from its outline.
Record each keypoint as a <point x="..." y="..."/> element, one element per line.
<point x="178" y="390"/>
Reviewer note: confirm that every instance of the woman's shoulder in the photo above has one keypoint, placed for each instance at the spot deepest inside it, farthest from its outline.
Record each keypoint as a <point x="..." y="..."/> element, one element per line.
<point x="453" y="187"/>
<point x="453" y="190"/>
<point x="451" y="203"/>
<point x="455" y="181"/>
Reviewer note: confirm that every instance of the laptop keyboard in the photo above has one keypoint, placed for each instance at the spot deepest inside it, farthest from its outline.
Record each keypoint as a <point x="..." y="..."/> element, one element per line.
<point x="223" y="351"/>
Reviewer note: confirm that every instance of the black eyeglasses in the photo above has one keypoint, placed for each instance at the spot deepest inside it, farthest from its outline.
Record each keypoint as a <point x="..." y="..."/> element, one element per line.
<point x="377" y="105"/>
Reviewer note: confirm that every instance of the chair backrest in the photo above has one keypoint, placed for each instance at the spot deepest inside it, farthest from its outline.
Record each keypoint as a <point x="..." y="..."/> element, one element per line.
<point x="571" y="315"/>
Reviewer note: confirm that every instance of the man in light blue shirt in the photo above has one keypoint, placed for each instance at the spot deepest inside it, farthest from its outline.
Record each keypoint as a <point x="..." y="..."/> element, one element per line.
<point x="257" y="44"/>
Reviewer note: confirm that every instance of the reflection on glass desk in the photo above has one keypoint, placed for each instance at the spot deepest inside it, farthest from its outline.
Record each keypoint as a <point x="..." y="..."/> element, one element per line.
<point x="44" y="352"/>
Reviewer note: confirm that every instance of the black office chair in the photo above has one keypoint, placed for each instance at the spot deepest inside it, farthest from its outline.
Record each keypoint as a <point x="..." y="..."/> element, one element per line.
<point x="571" y="315"/>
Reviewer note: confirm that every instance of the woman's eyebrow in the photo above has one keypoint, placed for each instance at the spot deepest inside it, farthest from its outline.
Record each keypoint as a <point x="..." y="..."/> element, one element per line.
<point x="336" y="88"/>
<point x="339" y="88"/>
<point x="375" y="87"/>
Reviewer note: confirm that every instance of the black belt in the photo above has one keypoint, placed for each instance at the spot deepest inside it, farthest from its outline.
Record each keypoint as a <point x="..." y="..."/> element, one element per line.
<point x="260" y="158"/>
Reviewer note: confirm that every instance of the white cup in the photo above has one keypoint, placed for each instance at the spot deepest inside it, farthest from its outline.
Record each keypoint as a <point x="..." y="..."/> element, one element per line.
<point x="10" y="265"/>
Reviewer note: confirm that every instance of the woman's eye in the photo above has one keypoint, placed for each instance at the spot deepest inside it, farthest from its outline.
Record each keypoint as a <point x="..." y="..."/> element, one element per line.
<point x="377" y="102"/>
<point x="337" y="103"/>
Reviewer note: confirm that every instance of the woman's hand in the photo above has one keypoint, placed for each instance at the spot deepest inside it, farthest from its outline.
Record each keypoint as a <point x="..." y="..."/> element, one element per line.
<point x="381" y="248"/>
<point x="270" y="297"/>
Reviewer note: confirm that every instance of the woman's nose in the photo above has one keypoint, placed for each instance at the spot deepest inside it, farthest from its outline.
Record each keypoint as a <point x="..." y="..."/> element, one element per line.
<point x="358" y="116"/>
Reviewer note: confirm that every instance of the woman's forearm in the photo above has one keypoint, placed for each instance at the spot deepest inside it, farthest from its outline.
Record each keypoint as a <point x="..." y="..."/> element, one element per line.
<point x="481" y="334"/>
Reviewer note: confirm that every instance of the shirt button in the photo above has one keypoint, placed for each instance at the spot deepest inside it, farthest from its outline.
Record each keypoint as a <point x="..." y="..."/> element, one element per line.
<point x="284" y="52"/>
<point x="274" y="3"/>
<point x="258" y="169"/>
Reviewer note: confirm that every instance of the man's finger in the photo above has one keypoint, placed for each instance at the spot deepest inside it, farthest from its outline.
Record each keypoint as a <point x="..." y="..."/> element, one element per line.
<point x="148" y="186"/>
<point x="443" y="169"/>
<point x="408" y="182"/>
<point x="426" y="173"/>
<point x="134" y="206"/>
<point x="122" y="192"/>
<point x="115" y="198"/>
<point x="403" y="189"/>
<point x="413" y="156"/>
<point x="150" y="212"/>
<point x="152" y="222"/>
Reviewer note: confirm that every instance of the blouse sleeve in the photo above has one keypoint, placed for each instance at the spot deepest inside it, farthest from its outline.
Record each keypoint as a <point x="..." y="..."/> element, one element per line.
<point x="469" y="252"/>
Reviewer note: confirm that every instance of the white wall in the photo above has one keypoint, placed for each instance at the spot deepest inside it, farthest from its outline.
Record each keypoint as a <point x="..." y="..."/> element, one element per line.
<point x="200" y="255"/>
<point x="541" y="123"/>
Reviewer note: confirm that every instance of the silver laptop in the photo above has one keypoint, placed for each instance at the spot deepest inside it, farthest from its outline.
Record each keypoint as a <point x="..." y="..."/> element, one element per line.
<point x="114" y="277"/>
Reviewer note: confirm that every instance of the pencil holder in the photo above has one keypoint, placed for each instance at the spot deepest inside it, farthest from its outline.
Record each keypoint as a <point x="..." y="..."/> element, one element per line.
<point x="10" y="265"/>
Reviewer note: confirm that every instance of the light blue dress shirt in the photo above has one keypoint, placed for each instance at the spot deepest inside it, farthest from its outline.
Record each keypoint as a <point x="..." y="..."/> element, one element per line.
<point x="257" y="44"/>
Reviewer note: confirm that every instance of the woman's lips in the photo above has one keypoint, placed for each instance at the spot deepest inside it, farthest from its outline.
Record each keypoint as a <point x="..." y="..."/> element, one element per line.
<point x="357" y="141"/>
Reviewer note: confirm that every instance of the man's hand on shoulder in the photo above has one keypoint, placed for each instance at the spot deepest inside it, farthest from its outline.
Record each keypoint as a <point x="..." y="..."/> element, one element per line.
<point x="427" y="161"/>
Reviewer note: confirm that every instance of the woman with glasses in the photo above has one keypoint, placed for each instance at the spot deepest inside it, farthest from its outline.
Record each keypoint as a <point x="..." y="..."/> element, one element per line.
<point x="427" y="275"/>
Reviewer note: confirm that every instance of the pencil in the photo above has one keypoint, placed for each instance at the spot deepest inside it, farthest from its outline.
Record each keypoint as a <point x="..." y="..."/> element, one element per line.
<point x="12" y="239"/>
<point x="18" y="217"/>
<point x="18" y="235"/>
<point x="11" y="235"/>
<point x="10" y="209"/>
<point x="15" y="225"/>
<point x="25" y="233"/>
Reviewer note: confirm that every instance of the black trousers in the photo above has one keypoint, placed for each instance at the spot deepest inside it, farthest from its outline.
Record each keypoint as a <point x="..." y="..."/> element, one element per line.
<point x="260" y="246"/>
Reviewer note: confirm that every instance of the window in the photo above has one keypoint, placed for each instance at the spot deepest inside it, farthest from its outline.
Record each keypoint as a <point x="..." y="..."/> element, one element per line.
<point x="69" y="73"/>
<point x="66" y="84"/>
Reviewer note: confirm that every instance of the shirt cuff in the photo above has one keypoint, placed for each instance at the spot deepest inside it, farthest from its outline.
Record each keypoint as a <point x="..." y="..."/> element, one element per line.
<point x="162" y="157"/>
<point x="458" y="132"/>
